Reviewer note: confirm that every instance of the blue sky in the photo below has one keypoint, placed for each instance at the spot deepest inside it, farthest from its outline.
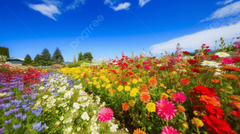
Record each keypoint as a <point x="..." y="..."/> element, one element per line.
<point x="108" y="27"/>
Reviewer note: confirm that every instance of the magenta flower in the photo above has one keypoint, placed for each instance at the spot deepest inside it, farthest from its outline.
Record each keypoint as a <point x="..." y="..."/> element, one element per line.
<point x="169" y="130"/>
<point x="236" y="59"/>
<point x="105" y="114"/>
<point x="165" y="109"/>
<point x="179" y="97"/>
<point x="227" y="61"/>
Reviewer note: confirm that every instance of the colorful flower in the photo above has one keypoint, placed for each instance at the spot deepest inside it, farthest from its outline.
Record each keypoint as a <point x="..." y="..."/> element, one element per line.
<point x="145" y="97"/>
<point x="165" y="109"/>
<point x="105" y="114"/>
<point x="151" y="107"/>
<point x="179" y="97"/>
<point x="169" y="130"/>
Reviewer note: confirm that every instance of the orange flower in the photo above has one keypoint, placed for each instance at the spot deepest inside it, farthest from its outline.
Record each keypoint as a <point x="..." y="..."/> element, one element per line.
<point x="234" y="97"/>
<point x="144" y="86"/>
<point x="125" y="106"/>
<point x="184" y="81"/>
<point x="153" y="81"/>
<point x="209" y="100"/>
<point x="238" y="83"/>
<point x="215" y="81"/>
<point x="230" y="68"/>
<point x="180" y="108"/>
<point x="145" y="97"/>
<point x="235" y="104"/>
<point x="201" y="83"/>
<point x="112" y="78"/>
<point x="230" y="76"/>
<point x="139" y="131"/>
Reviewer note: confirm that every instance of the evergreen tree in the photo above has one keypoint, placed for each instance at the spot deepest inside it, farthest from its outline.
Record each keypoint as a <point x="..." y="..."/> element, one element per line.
<point x="88" y="56"/>
<point x="46" y="59"/>
<point x="80" y="56"/>
<point x="37" y="60"/>
<point x="27" y="60"/>
<point x="57" y="57"/>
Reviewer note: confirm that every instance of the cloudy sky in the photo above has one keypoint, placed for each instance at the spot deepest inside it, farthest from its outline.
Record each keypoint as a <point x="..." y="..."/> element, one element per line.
<point x="108" y="27"/>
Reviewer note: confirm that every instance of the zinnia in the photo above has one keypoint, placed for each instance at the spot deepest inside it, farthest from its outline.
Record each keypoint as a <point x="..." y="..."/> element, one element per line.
<point x="184" y="81"/>
<point x="125" y="106"/>
<point x="145" y="97"/>
<point x="165" y="109"/>
<point x="169" y="130"/>
<point x="105" y="114"/>
<point x="179" y="97"/>
<point x="153" y="81"/>
<point x="227" y="61"/>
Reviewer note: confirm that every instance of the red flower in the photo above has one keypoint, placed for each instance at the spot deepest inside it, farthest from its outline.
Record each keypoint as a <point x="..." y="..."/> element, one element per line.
<point x="161" y="68"/>
<point x="195" y="70"/>
<point x="236" y="59"/>
<point x="184" y="81"/>
<point x="214" y="111"/>
<point x="236" y="114"/>
<point x="205" y="91"/>
<point x="185" y="52"/>
<point x="124" y="83"/>
<point x="216" y="125"/>
<point x="138" y="65"/>
<point x="191" y="61"/>
<point x="207" y="50"/>
<point x="214" y="57"/>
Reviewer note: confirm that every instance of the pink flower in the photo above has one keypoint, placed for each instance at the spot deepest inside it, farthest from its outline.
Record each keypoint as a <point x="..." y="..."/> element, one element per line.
<point x="169" y="130"/>
<point x="236" y="59"/>
<point x="214" y="57"/>
<point x="227" y="61"/>
<point x="105" y="114"/>
<point x="203" y="57"/>
<point x="165" y="109"/>
<point x="179" y="97"/>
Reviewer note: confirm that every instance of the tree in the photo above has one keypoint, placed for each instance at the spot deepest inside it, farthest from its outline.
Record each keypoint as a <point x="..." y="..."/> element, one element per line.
<point x="27" y="60"/>
<point x="80" y="56"/>
<point x="57" y="57"/>
<point x="37" y="60"/>
<point x="88" y="56"/>
<point x="46" y="58"/>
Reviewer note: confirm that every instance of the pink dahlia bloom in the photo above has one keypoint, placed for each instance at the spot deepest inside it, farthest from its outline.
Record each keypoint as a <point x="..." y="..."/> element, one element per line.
<point x="227" y="61"/>
<point x="105" y="114"/>
<point x="169" y="130"/>
<point x="179" y="97"/>
<point x="165" y="109"/>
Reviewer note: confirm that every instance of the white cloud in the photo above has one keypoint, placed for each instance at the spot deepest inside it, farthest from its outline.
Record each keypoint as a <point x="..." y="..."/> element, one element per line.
<point x="224" y="2"/>
<point x="75" y="4"/>
<point x="121" y="6"/>
<point x="143" y="2"/>
<point x="47" y="10"/>
<point x="227" y="11"/>
<point x="195" y="40"/>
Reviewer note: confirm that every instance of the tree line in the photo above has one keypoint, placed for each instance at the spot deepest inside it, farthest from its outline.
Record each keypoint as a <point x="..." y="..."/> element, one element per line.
<point x="45" y="58"/>
<point x="4" y="51"/>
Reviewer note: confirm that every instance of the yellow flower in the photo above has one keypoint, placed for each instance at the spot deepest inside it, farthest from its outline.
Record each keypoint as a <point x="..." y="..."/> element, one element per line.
<point x="140" y="80"/>
<point x="131" y="103"/>
<point x="185" y="125"/>
<point x="196" y="113"/>
<point x="108" y="86"/>
<point x="164" y="96"/>
<point x="151" y="107"/>
<point x="98" y="86"/>
<point x="135" y="81"/>
<point x="120" y="88"/>
<point x="134" y="92"/>
<point x="127" y="88"/>
<point x="197" y="122"/>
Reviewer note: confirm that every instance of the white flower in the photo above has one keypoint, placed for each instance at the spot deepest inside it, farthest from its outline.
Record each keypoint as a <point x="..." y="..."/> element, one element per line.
<point x="78" y="129"/>
<point x="114" y="128"/>
<point x="126" y="130"/>
<point x="68" y="94"/>
<point x="68" y="130"/>
<point x="222" y="54"/>
<point x="98" y="99"/>
<point x="76" y="105"/>
<point x="45" y="96"/>
<point x="61" y="118"/>
<point x="214" y="64"/>
<point x="41" y="88"/>
<point x="57" y="111"/>
<point x="57" y="123"/>
<point x="85" y="116"/>
<point x="94" y="127"/>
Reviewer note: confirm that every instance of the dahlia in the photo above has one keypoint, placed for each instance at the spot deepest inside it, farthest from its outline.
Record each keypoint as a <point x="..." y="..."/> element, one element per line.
<point x="169" y="130"/>
<point x="165" y="109"/>
<point x="179" y="97"/>
<point x="105" y="114"/>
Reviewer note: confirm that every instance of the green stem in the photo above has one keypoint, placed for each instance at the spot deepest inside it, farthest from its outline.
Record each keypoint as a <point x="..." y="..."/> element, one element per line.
<point x="198" y="130"/>
<point x="167" y="122"/>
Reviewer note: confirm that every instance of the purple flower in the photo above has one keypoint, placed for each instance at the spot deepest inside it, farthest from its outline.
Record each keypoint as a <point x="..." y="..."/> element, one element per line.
<point x="7" y="105"/>
<point x="31" y="103"/>
<point x="8" y="121"/>
<point x="42" y="127"/>
<point x="24" y="96"/>
<point x="34" y="111"/>
<point x="24" y="117"/>
<point x="2" y="130"/>
<point x="7" y="113"/>
<point x="26" y="100"/>
<point x="14" y="110"/>
<point x="36" y="125"/>
<point x="16" y="126"/>
<point x="27" y="109"/>
<point x="24" y="106"/>
<point x="38" y="113"/>
<point x="18" y="115"/>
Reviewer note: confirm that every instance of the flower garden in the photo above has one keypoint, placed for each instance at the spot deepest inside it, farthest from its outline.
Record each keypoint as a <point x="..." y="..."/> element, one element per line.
<point x="171" y="94"/>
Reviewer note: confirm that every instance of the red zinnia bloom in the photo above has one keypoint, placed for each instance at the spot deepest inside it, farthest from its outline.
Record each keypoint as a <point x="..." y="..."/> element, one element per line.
<point x="195" y="70"/>
<point x="138" y="66"/>
<point x="236" y="113"/>
<point x="161" y="68"/>
<point x="216" y="125"/>
<point x="214" y="111"/>
<point x="204" y="91"/>
<point x="185" y="52"/>
<point x="184" y="81"/>
<point x="191" y="61"/>
<point x="214" y="57"/>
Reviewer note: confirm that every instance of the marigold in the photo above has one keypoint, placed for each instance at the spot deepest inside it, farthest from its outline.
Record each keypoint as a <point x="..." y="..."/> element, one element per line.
<point x="181" y="108"/>
<point x="197" y="122"/>
<point x="125" y="106"/>
<point x="153" y="81"/>
<point x="145" y="97"/>
<point x="184" y="81"/>
<point x="151" y="107"/>
<point x="230" y="76"/>
<point x="139" y="131"/>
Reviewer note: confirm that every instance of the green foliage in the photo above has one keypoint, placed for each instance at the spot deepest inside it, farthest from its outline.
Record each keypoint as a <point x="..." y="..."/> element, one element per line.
<point x="80" y="56"/>
<point x="57" y="57"/>
<point x="4" y="51"/>
<point x="77" y="64"/>
<point x="46" y="59"/>
<point x="27" y="60"/>
<point x="87" y="56"/>
<point x="3" y="58"/>
<point x="37" y="60"/>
